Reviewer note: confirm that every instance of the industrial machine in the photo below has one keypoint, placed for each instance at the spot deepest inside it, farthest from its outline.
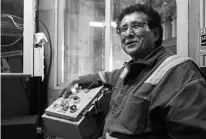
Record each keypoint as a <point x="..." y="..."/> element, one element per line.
<point x="73" y="117"/>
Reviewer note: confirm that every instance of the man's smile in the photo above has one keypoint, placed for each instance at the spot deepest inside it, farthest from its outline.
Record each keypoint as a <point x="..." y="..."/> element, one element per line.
<point x="131" y="42"/>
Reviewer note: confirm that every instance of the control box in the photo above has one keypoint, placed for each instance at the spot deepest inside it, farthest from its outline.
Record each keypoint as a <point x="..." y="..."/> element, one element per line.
<point x="68" y="118"/>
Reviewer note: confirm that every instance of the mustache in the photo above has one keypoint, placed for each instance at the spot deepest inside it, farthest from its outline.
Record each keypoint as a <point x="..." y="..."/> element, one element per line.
<point x="129" y="36"/>
<point x="127" y="40"/>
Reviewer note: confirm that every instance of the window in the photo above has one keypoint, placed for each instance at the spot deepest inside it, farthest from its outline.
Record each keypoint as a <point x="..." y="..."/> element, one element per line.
<point x="168" y="11"/>
<point x="80" y="38"/>
<point x="17" y="30"/>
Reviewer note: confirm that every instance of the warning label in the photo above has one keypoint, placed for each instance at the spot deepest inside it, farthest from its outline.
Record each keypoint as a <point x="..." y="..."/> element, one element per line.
<point x="202" y="40"/>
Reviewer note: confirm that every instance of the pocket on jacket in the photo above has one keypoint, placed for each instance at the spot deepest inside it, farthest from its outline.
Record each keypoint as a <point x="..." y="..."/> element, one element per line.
<point x="134" y="114"/>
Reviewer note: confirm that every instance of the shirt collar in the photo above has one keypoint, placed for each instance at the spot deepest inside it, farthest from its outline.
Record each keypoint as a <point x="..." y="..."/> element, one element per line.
<point x="150" y="59"/>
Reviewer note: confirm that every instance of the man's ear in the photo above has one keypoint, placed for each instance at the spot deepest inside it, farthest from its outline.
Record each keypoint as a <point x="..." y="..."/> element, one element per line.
<point x="156" y="33"/>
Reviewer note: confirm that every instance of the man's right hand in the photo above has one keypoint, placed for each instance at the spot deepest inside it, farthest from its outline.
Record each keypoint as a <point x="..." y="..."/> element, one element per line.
<point x="67" y="91"/>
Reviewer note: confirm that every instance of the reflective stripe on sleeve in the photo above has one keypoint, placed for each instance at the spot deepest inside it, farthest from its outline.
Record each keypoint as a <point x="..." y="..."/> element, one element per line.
<point x="165" y="66"/>
<point x="124" y="73"/>
<point x="102" y="77"/>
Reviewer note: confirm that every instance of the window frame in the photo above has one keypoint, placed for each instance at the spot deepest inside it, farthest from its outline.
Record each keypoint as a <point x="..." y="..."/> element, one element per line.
<point x="28" y="43"/>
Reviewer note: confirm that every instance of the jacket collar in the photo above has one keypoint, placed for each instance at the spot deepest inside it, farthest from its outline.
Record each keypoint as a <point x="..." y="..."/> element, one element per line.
<point x="150" y="59"/>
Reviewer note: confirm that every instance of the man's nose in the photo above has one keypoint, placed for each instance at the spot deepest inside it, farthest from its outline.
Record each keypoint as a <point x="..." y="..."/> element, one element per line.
<point x="129" y="31"/>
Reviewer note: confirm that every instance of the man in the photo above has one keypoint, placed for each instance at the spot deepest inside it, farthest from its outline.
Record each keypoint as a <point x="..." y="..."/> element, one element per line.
<point x="156" y="94"/>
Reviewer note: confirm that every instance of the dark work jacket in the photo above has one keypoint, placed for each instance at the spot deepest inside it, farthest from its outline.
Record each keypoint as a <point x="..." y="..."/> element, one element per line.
<point x="174" y="108"/>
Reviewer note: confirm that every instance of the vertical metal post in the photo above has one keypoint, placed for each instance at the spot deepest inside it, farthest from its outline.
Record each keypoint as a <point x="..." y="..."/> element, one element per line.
<point x="29" y="31"/>
<point x="108" y="36"/>
<point x="59" y="42"/>
<point x="60" y="52"/>
<point x="182" y="27"/>
<point x="202" y="24"/>
<point x="204" y="6"/>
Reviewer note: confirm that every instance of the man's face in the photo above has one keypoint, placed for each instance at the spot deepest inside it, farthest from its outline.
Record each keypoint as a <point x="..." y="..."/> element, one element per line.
<point x="136" y="38"/>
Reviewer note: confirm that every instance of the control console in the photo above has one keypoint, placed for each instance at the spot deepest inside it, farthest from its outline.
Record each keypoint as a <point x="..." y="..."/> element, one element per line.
<point x="74" y="116"/>
<point x="77" y="104"/>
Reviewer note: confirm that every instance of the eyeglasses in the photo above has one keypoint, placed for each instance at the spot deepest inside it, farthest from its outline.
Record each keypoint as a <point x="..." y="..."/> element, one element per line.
<point x="134" y="26"/>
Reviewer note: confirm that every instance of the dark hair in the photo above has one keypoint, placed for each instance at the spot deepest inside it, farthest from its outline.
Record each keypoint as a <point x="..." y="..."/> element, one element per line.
<point x="154" y="18"/>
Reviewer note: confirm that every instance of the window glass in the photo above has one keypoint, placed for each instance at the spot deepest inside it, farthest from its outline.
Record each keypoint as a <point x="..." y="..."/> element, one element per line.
<point x="83" y="39"/>
<point x="12" y="36"/>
